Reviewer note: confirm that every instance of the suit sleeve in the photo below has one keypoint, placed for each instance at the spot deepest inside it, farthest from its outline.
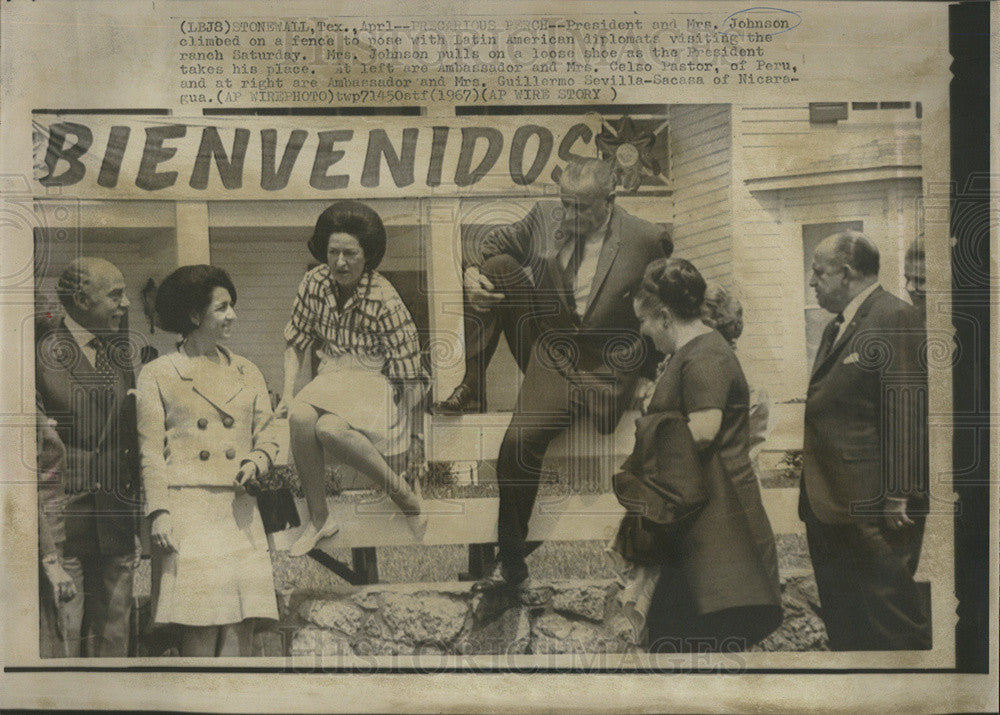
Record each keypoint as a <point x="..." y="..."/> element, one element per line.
<point x="513" y="240"/>
<point x="905" y="409"/>
<point x="51" y="451"/>
<point x="78" y="462"/>
<point x="151" y="426"/>
<point x="265" y="439"/>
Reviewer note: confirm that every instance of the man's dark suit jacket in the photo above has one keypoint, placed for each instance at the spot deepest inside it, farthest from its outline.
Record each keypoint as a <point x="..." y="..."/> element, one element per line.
<point x="863" y="422"/>
<point x="96" y="422"/>
<point x="604" y="348"/>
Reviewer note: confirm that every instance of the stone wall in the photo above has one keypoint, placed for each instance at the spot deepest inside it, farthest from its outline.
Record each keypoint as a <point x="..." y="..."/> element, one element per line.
<point x="453" y="618"/>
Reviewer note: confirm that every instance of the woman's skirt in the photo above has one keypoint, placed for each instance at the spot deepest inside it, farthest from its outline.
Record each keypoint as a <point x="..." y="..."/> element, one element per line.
<point x="221" y="572"/>
<point x="363" y="397"/>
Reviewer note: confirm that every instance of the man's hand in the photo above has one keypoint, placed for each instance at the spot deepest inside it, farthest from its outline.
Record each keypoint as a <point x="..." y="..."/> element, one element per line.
<point x="895" y="513"/>
<point x="480" y="290"/>
<point x="62" y="583"/>
<point x="51" y="450"/>
<point x="161" y="532"/>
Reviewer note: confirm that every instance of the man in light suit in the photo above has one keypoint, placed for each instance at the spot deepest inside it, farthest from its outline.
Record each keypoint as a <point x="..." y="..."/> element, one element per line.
<point x="559" y="284"/>
<point x="862" y="489"/>
<point x="82" y="378"/>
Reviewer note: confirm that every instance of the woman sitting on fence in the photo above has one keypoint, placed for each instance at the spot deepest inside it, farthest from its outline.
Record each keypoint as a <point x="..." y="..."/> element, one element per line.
<point x="365" y="404"/>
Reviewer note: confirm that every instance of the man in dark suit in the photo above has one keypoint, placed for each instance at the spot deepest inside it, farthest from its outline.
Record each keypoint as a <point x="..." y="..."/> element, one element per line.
<point x="83" y="374"/>
<point x="862" y="488"/>
<point x="558" y="284"/>
<point x="915" y="273"/>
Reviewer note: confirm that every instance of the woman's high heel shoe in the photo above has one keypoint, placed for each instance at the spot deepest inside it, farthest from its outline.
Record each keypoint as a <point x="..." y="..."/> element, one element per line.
<point x="311" y="536"/>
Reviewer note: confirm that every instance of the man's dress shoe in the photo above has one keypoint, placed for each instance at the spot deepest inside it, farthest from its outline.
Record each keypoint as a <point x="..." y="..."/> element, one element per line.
<point x="461" y="401"/>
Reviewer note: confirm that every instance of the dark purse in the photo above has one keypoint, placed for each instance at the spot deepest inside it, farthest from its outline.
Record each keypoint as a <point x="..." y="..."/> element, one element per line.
<point x="277" y="509"/>
<point x="641" y="541"/>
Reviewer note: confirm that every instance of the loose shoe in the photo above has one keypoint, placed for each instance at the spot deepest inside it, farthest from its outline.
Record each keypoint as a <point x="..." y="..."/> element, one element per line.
<point x="311" y="536"/>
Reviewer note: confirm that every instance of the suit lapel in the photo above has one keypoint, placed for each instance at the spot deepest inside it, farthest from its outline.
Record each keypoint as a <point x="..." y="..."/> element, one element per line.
<point x="205" y="382"/>
<point x="68" y="352"/>
<point x="609" y="251"/>
<point x="847" y="335"/>
<point x="556" y="274"/>
<point x="90" y="383"/>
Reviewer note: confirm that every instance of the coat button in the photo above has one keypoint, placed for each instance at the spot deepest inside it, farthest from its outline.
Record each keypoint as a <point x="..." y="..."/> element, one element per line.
<point x="227" y="421"/>
<point x="230" y="453"/>
<point x="204" y="455"/>
<point x="202" y="423"/>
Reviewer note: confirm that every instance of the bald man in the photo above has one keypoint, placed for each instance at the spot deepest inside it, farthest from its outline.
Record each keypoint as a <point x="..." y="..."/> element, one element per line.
<point x="558" y="284"/>
<point x="82" y="377"/>
<point x="862" y="490"/>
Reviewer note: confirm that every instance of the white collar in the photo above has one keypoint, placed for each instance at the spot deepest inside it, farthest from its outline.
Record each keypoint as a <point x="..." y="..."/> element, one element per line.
<point x="602" y="230"/>
<point x="81" y="335"/>
<point x="851" y="308"/>
<point x="596" y="236"/>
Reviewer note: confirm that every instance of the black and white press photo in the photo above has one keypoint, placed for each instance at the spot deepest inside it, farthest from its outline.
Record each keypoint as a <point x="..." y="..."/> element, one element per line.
<point x="469" y="347"/>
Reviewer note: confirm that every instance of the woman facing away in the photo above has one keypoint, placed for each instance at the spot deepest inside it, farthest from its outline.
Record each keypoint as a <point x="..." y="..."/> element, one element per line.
<point x="722" y="310"/>
<point x="364" y="407"/>
<point x="205" y="431"/>
<point x="700" y="541"/>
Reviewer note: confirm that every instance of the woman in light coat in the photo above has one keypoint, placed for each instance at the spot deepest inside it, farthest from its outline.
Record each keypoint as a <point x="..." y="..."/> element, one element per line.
<point x="204" y="421"/>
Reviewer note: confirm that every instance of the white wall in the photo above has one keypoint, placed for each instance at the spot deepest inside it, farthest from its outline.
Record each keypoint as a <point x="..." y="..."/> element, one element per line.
<point x="701" y="177"/>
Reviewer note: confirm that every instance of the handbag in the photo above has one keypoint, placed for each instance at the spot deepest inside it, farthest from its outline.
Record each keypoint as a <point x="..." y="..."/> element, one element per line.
<point x="277" y="509"/>
<point x="641" y="541"/>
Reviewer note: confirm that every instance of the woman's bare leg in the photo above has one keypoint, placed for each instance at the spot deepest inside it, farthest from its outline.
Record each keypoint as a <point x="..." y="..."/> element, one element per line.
<point x="234" y="639"/>
<point x="199" y="641"/>
<point x="352" y="448"/>
<point x="309" y="461"/>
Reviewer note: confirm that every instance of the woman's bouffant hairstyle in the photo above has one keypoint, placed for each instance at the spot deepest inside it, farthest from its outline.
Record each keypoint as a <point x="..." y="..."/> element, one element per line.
<point x="356" y="219"/>
<point x="674" y="283"/>
<point x="722" y="311"/>
<point x="186" y="291"/>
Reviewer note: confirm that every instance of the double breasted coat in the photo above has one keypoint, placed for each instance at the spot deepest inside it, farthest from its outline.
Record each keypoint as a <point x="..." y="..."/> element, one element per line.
<point x="198" y="422"/>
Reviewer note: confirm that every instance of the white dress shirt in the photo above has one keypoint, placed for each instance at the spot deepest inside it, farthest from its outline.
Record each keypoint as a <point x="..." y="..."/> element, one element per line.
<point x="851" y="308"/>
<point x="592" y="246"/>
<point x="83" y="338"/>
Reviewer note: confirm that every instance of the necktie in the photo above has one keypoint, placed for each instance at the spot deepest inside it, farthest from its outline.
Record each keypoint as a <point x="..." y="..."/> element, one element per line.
<point x="573" y="267"/>
<point x="575" y="259"/>
<point x="828" y="339"/>
<point x="102" y="360"/>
